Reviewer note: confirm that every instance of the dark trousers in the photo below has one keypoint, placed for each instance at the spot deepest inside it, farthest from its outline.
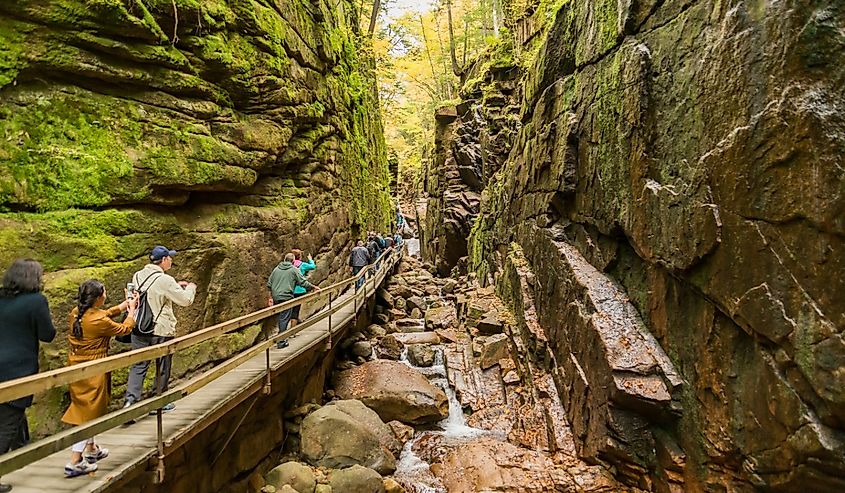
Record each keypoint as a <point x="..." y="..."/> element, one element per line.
<point x="14" y="431"/>
<point x="138" y="372"/>
<point x="284" y="317"/>
<point x="355" y="270"/>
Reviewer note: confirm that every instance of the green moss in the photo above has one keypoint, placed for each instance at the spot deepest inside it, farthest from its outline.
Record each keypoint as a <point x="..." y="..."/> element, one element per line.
<point x="12" y="58"/>
<point x="74" y="238"/>
<point x="75" y="140"/>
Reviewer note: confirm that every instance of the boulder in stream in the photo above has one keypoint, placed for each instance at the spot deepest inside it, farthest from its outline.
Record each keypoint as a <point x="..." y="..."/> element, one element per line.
<point x="439" y="318"/>
<point x="421" y="355"/>
<point x="394" y="391"/>
<point x="297" y="475"/>
<point x="491" y="349"/>
<point x="416" y="302"/>
<point x="389" y="347"/>
<point x="356" y="479"/>
<point x="347" y="432"/>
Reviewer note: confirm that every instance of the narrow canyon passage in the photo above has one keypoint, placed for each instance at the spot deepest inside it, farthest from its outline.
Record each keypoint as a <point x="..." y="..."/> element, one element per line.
<point x="623" y="226"/>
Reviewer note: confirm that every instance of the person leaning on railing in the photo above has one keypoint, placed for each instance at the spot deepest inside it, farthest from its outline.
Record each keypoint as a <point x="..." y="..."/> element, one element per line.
<point x="24" y="320"/>
<point x="91" y="329"/>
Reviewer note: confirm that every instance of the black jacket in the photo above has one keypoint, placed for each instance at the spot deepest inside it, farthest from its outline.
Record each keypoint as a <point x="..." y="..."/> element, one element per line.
<point x="24" y="320"/>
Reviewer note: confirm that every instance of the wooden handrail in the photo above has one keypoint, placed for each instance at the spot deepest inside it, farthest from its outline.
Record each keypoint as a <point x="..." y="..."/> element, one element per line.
<point x="34" y="451"/>
<point x="40" y="382"/>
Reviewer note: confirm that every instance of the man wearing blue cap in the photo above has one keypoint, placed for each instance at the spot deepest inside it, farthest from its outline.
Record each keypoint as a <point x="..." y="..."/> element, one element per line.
<point x="162" y="291"/>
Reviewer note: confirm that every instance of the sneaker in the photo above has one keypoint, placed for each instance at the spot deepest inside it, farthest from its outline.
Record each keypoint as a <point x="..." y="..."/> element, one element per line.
<point x="129" y="402"/>
<point x="282" y="344"/>
<point x="100" y="454"/>
<point x="165" y="409"/>
<point x="80" y="468"/>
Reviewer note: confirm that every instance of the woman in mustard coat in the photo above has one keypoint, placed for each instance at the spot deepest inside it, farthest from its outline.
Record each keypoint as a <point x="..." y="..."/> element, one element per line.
<point x="91" y="329"/>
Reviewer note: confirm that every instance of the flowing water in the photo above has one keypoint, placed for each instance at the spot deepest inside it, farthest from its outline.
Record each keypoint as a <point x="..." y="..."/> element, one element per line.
<point x="411" y="471"/>
<point x="413" y="246"/>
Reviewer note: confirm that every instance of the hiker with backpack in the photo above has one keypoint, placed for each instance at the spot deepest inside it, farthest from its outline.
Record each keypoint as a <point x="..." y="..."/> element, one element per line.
<point x="91" y="329"/>
<point x="155" y="321"/>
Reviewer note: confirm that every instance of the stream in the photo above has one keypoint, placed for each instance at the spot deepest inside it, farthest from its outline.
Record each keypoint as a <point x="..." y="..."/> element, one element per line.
<point x="413" y="472"/>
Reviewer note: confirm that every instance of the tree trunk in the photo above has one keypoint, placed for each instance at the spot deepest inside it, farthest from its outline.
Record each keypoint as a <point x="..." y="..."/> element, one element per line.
<point x="466" y="37"/>
<point x="497" y="7"/>
<point x="441" y="91"/>
<point x="455" y="68"/>
<point x="373" y="17"/>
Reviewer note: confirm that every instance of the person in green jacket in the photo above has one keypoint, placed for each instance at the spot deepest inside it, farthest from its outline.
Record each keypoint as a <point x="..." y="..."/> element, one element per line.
<point x="283" y="280"/>
<point x="304" y="268"/>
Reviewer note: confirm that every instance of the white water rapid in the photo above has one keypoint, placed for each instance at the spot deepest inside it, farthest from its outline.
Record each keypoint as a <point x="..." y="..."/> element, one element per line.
<point x="411" y="471"/>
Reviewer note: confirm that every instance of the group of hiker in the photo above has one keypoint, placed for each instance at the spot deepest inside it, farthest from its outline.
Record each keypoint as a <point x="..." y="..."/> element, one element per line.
<point x="146" y="318"/>
<point x="366" y="253"/>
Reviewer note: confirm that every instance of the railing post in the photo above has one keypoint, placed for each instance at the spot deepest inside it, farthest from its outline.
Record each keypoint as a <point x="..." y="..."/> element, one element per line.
<point x="331" y="296"/>
<point x="267" y="384"/>
<point x="159" y="479"/>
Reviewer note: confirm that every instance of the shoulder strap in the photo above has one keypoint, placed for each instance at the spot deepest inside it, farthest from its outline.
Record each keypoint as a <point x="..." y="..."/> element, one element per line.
<point x="147" y="278"/>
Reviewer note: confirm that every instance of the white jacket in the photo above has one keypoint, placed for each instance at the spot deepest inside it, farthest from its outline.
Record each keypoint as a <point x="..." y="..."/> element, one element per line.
<point x="163" y="291"/>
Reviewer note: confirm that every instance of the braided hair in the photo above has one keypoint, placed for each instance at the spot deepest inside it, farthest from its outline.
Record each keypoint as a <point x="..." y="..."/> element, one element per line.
<point x="89" y="292"/>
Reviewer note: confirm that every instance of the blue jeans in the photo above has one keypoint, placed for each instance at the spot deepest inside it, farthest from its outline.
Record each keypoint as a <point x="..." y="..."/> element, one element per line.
<point x="355" y="270"/>
<point x="284" y="318"/>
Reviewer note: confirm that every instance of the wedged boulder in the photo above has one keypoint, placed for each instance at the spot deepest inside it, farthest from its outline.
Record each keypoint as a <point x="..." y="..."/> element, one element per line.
<point x="385" y="298"/>
<point x="490" y="324"/>
<point x="375" y="331"/>
<point x="344" y="433"/>
<point x="416" y="302"/>
<point x="394" y="391"/>
<point x="439" y="318"/>
<point x="362" y="349"/>
<point x="407" y="325"/>
<point x="401" y="431"/>
<point x="356" y="479"/>
<point x="389" y="348"/>
<point x="294" y="474"/>
<point x="490" y="350"/>
<point x="421" y="355"/>
<point x="449" y="286"/>
<point x="418" y="338"/>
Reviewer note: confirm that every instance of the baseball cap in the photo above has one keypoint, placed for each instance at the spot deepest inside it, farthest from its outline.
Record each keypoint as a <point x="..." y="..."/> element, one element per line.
<point x="159" y="252"/>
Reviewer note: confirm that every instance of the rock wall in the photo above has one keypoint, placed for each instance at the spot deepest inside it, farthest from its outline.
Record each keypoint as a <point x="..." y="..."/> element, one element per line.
<point x="677" y="190"/>
<point x="471" y="143"/>
<point x="229" y="130"/>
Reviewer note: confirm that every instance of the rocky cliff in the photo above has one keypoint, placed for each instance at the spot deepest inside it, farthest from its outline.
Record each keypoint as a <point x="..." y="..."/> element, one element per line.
<point x="229" y="130"/>
<point x="673" y="206"/>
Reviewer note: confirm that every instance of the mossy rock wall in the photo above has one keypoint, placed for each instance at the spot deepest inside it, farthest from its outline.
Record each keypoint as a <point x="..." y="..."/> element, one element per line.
<point x="692" y="152"/>
<point x="230" y="130"/>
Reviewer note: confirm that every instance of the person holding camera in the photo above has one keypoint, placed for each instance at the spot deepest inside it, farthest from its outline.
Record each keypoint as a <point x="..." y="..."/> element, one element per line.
<point x="162" y="292"/>
<point x="91" y="329"/>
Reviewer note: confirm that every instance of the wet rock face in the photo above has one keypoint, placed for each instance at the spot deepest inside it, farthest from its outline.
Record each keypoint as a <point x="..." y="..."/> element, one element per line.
<point x="223" y="130"/>
<point x="471" y="142"/>
<point x="686" y="156"/>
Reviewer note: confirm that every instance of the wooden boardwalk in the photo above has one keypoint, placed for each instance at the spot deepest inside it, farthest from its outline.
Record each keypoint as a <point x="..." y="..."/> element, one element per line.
<point x="132" y="446"/>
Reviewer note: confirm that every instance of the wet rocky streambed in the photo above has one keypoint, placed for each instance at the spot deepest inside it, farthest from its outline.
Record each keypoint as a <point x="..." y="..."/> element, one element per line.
<point x="440" y="394"/>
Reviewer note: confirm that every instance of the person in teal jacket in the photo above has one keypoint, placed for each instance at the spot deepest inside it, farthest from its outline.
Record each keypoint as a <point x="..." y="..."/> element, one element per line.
<point x="304" y="268"/>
